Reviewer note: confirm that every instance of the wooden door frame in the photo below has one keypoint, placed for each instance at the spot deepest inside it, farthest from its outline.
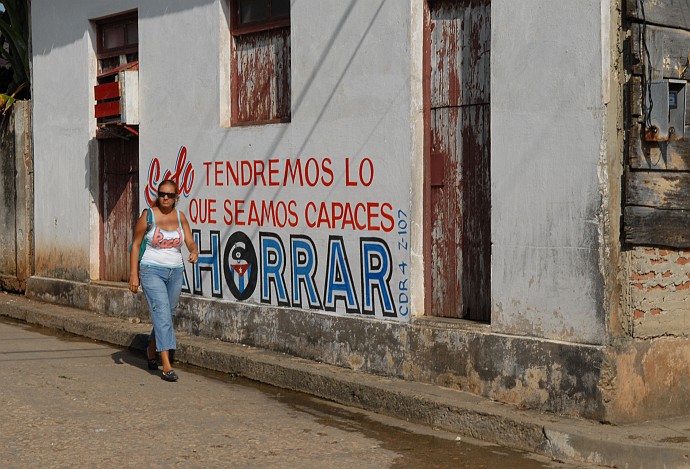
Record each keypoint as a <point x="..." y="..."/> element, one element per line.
<point x="427" y="219"/>
<point x="101" y="202"/>
<point x="110" y="128"/>
<point x="102" y="181"/>
<point x="426" y="191"/>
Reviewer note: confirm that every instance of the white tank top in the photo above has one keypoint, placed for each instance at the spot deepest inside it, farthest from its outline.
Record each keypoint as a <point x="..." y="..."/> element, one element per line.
<point x="163" y="248"/>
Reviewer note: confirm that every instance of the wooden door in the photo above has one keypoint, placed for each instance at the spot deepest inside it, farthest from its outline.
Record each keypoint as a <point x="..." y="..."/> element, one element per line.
<point x="459" y="237"/>
<point x="119" y="204"/>
<point x="117" y="49"/>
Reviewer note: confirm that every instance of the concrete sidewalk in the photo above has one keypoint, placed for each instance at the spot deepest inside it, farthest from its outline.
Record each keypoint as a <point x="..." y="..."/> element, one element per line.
<point x="657" y="444"/>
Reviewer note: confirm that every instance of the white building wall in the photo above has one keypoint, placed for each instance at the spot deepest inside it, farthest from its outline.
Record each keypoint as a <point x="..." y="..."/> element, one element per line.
<point x="547" y="132"/>
<point x="354" y="97"/>
<point x="63" y="129"/>
<point x="350" y="106"/>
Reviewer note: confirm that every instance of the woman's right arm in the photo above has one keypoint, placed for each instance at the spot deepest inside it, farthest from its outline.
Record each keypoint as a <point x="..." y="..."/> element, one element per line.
<point x="137" y="239"/>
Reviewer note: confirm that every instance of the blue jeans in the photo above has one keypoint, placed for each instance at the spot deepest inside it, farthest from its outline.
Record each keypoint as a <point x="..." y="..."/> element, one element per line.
<point x="162" y="287"/>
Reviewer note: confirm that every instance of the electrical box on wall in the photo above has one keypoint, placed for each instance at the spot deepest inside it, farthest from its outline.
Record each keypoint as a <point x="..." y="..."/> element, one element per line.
<point x="665" y="105"/>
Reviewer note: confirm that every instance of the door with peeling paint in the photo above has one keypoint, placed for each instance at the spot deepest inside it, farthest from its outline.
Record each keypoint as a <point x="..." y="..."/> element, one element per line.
<point x="117" y="48"/>
<point x="459" y="234"/>
<point x="119" y="204"/>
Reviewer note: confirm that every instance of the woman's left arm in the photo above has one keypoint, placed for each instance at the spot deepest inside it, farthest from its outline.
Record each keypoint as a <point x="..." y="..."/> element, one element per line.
<point x="189" y="240"/>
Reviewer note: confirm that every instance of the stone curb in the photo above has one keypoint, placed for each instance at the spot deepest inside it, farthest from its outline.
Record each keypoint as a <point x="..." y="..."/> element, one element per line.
<point x="467" y="415"/>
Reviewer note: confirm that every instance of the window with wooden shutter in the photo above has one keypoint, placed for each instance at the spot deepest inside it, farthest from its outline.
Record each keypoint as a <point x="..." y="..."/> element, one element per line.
<point x="117" y="90"/>
<point x="260" y="68"/>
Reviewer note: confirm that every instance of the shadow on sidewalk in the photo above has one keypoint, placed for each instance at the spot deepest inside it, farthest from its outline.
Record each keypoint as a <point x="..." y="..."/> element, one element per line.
<point x="135" y="354"/>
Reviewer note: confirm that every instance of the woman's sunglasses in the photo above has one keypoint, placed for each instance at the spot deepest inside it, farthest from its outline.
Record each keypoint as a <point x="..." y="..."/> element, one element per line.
<point x="169" y="195"/>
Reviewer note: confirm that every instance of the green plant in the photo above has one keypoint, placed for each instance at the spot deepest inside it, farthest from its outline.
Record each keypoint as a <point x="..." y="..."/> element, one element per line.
<point x="14" y="49"/>
<point x="6" y="101"/>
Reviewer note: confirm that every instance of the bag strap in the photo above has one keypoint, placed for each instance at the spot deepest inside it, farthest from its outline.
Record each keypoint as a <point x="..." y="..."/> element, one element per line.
<point x="149" y="219"/>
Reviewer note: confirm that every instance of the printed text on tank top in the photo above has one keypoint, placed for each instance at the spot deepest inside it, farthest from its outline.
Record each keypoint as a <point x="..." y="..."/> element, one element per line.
<point x="159" y="241"/>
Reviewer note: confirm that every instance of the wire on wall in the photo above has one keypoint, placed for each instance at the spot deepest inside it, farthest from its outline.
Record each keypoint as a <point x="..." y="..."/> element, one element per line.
<point x="647" y="102"/>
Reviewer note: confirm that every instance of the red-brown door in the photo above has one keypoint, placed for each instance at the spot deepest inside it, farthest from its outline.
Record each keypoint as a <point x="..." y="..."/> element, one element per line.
<point x="119" y="204"/>
<point x="117" y="48"/>
<point x="459" y="229"/>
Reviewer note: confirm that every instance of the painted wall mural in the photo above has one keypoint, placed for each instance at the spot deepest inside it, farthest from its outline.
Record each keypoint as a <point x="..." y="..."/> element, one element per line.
<point x="272" y="232"/>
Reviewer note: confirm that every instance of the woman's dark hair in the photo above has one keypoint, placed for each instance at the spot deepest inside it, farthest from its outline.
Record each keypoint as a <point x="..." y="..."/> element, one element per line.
<point x="168" y="182"/>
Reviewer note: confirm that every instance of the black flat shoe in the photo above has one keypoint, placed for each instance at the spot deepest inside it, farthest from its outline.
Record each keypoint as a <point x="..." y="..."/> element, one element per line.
<point x="170" y="376"/>
<point x="152" y="363"/>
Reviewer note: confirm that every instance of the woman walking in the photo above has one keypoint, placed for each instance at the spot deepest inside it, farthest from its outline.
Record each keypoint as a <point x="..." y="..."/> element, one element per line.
<point x="161" y="270"/>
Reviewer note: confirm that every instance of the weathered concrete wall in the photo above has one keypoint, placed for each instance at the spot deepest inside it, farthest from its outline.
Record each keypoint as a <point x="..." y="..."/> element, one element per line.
<point x="8" y="191"/>
<point x="659" y="292"/>
<point x="651" y="368"/>
<point x="624" y="382"/>
<point x="548" y="76"/>
<point x="527" y="372"/>
<point x="611" y="171"/>
<point x="647" y="379"/>
<point x="16" y="198"/>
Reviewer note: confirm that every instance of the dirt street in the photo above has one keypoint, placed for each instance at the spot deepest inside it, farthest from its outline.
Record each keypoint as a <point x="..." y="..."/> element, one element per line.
<point x="71" y="402"/>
